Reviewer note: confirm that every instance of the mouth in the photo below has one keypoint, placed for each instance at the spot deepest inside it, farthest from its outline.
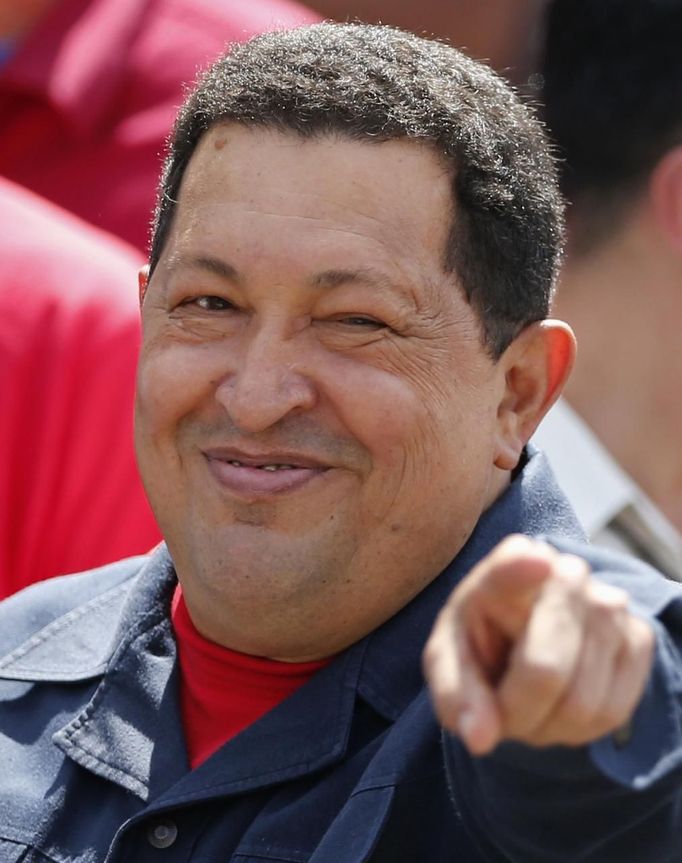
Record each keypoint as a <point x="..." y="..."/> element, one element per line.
<point x="271" y="467"/>
<point x="262" y="475"/>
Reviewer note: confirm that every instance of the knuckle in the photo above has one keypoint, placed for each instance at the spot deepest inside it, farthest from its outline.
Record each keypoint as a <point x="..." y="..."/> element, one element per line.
<point x="607" y="600"/>
<point x="580" y="711"/>
<point x="619" y="598"/>
<point x="607" y="620"/>
<point x="519" y="545"/>
<point x="603" y="618"/>
<point x="543" y="679"/>
<point x="447" y="713"/>
<point x="574" y="572"/>
<point x="516" y="540"/>
<point x="614" y="714"/>
<point x="644" y="637"/>
<point x="447" y="702"/>
<point x="639" y="644"/>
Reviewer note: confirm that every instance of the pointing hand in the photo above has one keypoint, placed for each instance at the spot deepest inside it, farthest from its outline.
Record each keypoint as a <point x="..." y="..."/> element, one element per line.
<point x="530" y="647"/>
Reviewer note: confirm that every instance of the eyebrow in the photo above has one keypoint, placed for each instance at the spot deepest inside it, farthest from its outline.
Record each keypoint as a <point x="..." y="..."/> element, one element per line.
<point x="325" y="280"/>
<point x="211" y="265"/>
<point x="336" y="278"/>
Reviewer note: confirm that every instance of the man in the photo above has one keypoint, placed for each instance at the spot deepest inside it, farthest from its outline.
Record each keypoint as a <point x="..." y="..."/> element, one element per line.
<point x="70" y="493"/>
<point x="345" y="349"/>
<point x="613" y="87"/>
<point x="89" y="89"/>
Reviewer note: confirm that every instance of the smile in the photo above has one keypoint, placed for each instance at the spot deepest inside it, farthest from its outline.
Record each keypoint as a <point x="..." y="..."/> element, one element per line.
<point x="264" y="476"/>
<point x="265" y="466"/>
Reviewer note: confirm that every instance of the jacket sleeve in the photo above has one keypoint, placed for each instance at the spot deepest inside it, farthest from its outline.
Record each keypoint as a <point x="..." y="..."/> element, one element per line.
<point x="619" y="799"/>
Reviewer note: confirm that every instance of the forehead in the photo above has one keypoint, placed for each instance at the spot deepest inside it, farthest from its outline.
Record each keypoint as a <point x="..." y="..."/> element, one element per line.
<point x="252" y="184"/>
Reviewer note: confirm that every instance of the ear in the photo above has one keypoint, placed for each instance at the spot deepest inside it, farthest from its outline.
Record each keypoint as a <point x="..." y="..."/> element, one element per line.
<point x="536" y="366"/>
<point x="143" y="282"/>
<point x="665" y="196"/>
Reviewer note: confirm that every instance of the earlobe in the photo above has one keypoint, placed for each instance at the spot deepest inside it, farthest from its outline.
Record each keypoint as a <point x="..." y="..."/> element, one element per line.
<point x="537" y="365"/>
<point x="142" y="282"/>
<point x="665" y="195"/>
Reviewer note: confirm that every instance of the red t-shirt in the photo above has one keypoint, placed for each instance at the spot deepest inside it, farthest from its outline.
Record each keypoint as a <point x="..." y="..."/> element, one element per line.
<point x="70" y="494"/>
<point x="89" y="97"/>
<point x="222" y="691"/>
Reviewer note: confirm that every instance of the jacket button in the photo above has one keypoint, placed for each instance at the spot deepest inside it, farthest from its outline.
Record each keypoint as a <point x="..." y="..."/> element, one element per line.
<point x="163" y="834"/>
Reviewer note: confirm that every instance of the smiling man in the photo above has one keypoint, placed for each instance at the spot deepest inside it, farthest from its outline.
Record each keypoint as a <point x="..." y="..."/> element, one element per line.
<point x="315" y="404"/>
<point x="346" y="348"/>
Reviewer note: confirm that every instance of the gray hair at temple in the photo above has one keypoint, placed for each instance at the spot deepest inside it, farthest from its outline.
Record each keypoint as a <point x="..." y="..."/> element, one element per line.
<point x="374" y="84"/>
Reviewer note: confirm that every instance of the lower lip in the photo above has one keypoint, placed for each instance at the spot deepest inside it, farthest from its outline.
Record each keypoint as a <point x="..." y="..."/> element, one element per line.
<point x="254" y="481"/>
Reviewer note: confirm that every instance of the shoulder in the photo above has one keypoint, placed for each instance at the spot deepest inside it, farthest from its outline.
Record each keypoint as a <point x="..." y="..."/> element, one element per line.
<point x="36" y="221"/>
<point x="45" y="247"/>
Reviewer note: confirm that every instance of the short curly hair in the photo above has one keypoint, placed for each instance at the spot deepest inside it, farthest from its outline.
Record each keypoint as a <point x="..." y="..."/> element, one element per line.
<point x="374" y="84"/>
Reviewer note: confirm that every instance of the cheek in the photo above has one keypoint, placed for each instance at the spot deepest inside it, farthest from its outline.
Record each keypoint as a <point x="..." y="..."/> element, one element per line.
<point x="431" y="439"/>
<point x="388" y="410"/>
<point x="172" y="381"/>
<point x="380" y="409"/>
<point x="410" y="432"/>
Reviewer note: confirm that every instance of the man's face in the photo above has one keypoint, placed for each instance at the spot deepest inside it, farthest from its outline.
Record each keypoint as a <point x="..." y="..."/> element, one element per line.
<point x="316" y="415"/>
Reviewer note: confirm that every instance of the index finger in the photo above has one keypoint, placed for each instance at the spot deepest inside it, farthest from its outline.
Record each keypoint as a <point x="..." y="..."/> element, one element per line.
<point x="507" y="582"/>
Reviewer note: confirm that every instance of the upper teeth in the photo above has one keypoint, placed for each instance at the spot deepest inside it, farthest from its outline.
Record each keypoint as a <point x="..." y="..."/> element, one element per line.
<point x="263" y="466"/>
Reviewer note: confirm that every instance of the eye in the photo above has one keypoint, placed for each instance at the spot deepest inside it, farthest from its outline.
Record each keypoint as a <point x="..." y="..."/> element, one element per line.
<point x="362" y="321"/>
<point x="212" y="304"/>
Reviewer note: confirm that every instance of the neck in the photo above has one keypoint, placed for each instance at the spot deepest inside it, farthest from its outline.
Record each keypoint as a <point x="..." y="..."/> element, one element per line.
<point x="624" y="301"/>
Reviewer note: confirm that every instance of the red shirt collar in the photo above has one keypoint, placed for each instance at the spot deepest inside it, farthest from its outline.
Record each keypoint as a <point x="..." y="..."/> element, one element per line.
<point x="223" y="691"/>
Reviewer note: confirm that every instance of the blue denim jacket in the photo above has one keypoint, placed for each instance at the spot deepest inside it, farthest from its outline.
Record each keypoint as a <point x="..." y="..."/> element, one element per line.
<point x="351" y="768"/>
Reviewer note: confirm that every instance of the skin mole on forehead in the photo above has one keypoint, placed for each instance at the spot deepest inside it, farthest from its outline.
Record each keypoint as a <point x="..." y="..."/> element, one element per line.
<point x="220" y="142"/>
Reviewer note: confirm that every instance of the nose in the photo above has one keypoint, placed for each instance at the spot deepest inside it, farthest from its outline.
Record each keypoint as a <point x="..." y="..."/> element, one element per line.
<point x="268" y="382"/>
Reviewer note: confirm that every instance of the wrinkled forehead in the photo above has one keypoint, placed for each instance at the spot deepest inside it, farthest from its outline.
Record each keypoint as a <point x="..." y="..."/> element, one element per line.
<point x="395" y="192"/>
<point x="273" y="156"/>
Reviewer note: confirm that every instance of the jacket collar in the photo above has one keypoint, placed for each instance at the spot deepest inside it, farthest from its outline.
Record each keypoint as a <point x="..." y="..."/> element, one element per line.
<point x="46" y="655"/>
<point x="130" y="732"/>
<point x="63" y="61"/>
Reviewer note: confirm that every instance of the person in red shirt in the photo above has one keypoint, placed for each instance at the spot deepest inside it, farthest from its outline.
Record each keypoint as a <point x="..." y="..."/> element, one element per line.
<point x="89" y="90"/>
<point x="70" y="495"/>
